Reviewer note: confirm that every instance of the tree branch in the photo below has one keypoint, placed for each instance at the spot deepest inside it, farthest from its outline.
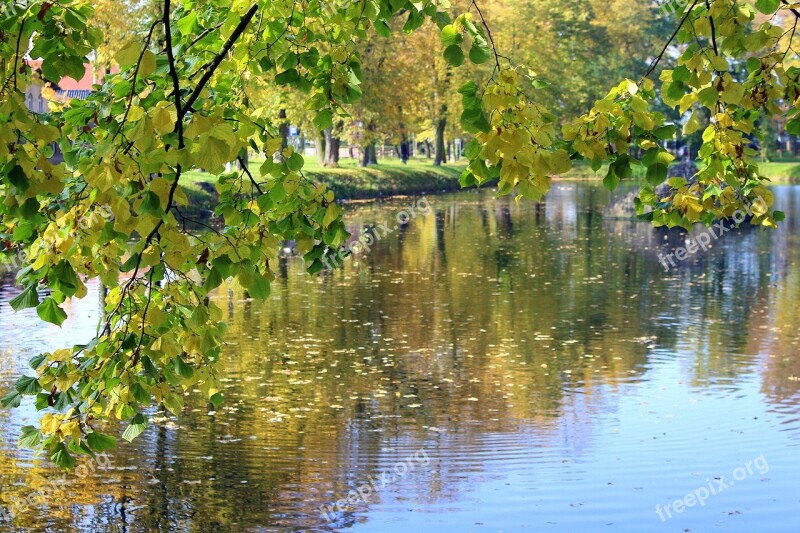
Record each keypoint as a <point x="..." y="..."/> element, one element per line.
<point x="237" y="32"/>
<point x="660" y="56"/>
<point x="793" y="10"/>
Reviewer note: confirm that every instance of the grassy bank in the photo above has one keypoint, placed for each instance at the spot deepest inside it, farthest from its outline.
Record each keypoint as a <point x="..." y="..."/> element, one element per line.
<point x="392" y="178"/>
<point x="350" y="181"/>
<point x="782" y="172"/>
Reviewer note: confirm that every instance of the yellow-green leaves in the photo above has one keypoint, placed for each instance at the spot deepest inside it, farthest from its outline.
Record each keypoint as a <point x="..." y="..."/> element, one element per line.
<point x="135" y="428"/>
<point x="164" y="116"/>
<point x="452" y="36"/>
<point x="129" y="55"/>
<point x="187" y="105"/>
<point x="216" y="147"/>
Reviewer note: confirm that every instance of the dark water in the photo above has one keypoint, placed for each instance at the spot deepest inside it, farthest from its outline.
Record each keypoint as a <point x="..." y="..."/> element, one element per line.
<point x="490" y="366"/>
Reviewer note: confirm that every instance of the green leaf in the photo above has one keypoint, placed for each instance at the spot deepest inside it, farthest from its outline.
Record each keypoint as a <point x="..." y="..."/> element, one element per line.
<point x="295" y="162"/>
<point x="454" y="55"/>
<point x="62" y="278"/>
<point x="382" y="28"/>
<point x="216" y="400"/>
<point x="225" y="266"/>
<point x="139" y="392"/>
<point x="26" y="299"/>
<point x="27" y="386"/>
<point x="213" y="280"/>
<point x="767" y="7"/>
<point x="467" y="179"/>
<point x="18" y="179"/>
<point x="315" y="267"/>
<point x="665" y="132"/>
<point x="62" y="458"/>
<point x="469" y="89"/>
<point x="151" y="205"/>
<point x="450" y="35"/>
<point x="99" y="442"/>
<point x="11" y="400"/>
<point x="681" y="74"/>
<point x="174" y="404"/>
<point x="622" y="167"/>
<point x="131" y="263"/>
<point x="183" y="370"/>
<point x="332" y="213"/>
<point x="49" y="311"/>
<point x="136" y="427"/>
<point x="259" y="287"/>
<point x="37" y="361"/>
<point x="287" y="76"/>
<point x="324" y="119"/>
<point x="656" y="174"/>
<point x="29" y="437"/>
<point x="129" y="55"/>
<point x="214" y="153"/>
<point x="480" y="52"/>
<point x="186" y="24"/>
<point x="611" y="180"/>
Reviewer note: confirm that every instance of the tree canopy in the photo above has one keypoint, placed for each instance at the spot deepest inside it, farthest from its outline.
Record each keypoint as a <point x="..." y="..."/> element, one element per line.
<point x="115" y="209"/>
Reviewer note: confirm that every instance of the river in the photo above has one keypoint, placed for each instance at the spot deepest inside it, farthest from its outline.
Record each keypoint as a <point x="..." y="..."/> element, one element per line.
<point x="486" y="366"/>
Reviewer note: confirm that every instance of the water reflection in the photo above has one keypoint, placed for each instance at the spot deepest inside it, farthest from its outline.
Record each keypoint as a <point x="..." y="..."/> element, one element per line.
<point x="550" y="368"/>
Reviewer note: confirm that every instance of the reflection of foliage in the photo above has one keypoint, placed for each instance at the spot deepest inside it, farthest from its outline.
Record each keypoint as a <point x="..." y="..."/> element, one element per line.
<point x="429" y="340"/>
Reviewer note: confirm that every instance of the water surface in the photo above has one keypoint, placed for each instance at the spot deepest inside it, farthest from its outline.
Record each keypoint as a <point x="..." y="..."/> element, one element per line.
<point x="500" y="366"/>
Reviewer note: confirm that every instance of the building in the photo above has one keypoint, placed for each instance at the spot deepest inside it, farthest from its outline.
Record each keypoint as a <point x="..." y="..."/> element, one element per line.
<point x="42" y="91"/>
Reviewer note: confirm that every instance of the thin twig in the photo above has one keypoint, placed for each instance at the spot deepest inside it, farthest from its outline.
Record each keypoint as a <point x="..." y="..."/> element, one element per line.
<point x="660" y="56"/>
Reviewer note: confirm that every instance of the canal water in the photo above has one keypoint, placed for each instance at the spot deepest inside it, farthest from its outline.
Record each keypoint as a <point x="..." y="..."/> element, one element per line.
<point x="485" y="366"/>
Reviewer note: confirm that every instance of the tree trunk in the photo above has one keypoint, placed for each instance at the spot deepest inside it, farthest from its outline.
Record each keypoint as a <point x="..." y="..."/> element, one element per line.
<point x="428" y="148"/>
<point x="441" y="150"/>
<point x="331" y="149"/>
<point x="284" y="129"/>
<point x="321" y="147"/>
<point x="370" y="156"/>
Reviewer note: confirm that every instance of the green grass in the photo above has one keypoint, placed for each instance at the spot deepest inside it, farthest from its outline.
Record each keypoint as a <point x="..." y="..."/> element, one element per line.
<point x="781" y="172"/>
<point x="350" y="181"/>
<point x="392" y="178"/>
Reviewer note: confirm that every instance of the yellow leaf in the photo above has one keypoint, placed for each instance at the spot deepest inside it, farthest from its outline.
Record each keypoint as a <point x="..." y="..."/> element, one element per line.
<point x="128" y="55"/>
<point x="50" y="424"/>
<point x="148" y="63"/>
<point x="331" y="214"/>
<point x="162" y="120"/>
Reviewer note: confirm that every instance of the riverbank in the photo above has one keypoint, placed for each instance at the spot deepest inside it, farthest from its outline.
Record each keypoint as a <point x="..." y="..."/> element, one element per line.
<point x="781" y="172"/>
<point x="352" y="182"/>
